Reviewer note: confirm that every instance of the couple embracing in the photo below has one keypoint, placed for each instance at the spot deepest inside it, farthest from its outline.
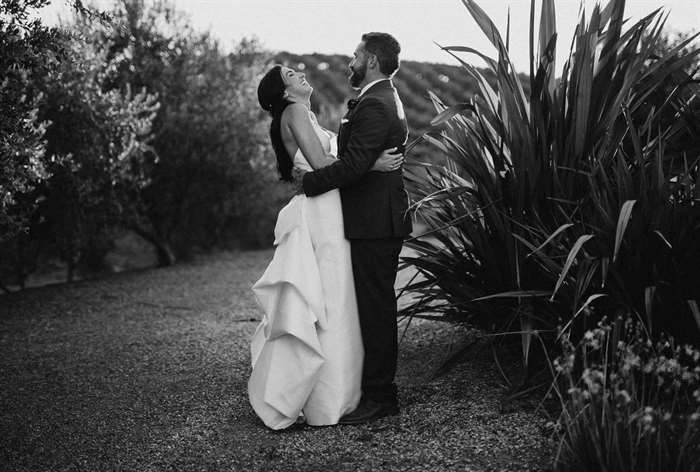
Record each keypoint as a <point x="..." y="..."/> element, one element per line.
<point x="326" y="349"/>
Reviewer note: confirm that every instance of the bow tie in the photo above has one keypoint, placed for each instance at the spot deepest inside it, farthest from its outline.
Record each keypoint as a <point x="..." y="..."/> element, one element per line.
<point x="352" y="103"/>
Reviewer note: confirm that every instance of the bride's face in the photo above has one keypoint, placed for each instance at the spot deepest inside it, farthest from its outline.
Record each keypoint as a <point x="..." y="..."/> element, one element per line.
<point x="295" y="83"/>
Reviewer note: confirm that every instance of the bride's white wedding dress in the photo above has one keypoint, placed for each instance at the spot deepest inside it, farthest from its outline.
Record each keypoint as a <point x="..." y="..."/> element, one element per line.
<point x="307" y="351"/>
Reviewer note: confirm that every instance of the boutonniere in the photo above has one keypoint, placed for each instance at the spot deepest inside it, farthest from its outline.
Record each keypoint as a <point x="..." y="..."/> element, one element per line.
<point x="352" y="103"/>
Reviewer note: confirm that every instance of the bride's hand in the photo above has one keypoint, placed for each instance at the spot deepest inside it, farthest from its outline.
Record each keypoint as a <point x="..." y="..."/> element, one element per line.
<point x="388" y="162"/>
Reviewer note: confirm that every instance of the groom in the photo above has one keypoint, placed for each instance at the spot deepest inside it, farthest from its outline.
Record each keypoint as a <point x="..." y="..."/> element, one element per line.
<point x="374" y="210"/>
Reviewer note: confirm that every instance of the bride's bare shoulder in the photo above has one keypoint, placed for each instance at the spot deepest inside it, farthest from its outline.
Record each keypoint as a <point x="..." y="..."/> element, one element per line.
<point x="296" y="112"/>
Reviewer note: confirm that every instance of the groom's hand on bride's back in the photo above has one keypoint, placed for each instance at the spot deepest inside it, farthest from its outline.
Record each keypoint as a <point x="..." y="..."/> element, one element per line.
<point x="389" y="160"/>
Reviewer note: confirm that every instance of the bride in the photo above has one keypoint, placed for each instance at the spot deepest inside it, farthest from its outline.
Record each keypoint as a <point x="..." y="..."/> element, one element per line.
<point x="307" y="351"/>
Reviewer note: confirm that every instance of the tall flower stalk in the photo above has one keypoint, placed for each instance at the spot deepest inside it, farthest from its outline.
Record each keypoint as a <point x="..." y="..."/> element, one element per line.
<point x="627" y="404"/>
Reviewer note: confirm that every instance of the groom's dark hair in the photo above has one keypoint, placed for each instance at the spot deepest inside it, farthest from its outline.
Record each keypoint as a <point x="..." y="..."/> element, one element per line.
<point x="386" y="48"/>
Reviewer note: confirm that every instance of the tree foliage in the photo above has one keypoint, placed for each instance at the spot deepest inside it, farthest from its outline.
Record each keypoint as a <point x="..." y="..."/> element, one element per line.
<point x="128" y="119"/>
<point x="98" y="140"/>
<point x="73" y="150"/>
<point x="207" y="135"/>
<point x="28" y="51"/>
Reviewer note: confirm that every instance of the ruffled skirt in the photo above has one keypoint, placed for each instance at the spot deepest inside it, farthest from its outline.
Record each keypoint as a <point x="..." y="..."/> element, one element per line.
<point x="307" y="351"/>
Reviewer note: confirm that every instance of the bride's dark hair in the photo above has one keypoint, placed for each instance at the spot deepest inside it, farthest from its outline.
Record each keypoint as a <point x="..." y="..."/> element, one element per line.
<point x="271" y="98"/>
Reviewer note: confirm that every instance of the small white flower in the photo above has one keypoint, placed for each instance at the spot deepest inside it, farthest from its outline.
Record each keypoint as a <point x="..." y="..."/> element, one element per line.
<point x="625" y="396"/>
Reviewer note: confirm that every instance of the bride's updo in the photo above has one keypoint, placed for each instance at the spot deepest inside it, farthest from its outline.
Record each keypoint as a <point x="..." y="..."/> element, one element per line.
<point x="271" y="98"/>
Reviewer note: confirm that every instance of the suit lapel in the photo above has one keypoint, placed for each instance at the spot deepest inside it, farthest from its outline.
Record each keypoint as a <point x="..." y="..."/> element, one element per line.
<point x="343" y="132"/>
<point x="346" y="121"/>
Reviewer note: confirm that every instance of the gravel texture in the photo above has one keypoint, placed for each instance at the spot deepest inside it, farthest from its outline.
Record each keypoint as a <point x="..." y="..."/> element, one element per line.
<point x="147" y="371"/>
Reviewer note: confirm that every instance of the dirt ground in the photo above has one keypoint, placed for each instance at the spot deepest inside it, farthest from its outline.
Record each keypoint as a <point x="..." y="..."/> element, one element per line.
<point x="147" y="371"/>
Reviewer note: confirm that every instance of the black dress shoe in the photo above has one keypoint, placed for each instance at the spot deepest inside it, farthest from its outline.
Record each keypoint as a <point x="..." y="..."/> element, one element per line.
<point x="369" y="410"/>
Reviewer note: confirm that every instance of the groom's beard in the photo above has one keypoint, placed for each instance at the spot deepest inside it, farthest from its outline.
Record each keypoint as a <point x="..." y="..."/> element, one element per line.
<point x="358" y="75"/>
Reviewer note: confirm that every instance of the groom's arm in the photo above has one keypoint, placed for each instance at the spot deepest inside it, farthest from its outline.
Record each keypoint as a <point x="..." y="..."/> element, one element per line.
<point x="370" y="128"/>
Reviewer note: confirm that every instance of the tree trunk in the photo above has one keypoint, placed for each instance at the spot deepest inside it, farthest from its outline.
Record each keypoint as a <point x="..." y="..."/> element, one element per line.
<point x="70" y="271"/>
<point x="21" y="276"/>
<point x="95" y="252"/>
<point x="166" y="256"/>
<point x="164" y="251"/>
<point x="4" y="288"/>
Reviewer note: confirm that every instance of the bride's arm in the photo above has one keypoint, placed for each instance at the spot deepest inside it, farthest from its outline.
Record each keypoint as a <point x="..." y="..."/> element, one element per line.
<point x="296" y="118"/>
<point x="388" y="161"/>
<point x="299" y="121"/>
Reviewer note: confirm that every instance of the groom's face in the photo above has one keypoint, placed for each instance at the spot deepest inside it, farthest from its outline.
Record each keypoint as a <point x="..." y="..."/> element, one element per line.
<point x="358" y="66"/>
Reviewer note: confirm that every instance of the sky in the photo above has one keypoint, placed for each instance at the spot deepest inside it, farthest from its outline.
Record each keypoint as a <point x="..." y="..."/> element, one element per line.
<point x="335" y="26"/>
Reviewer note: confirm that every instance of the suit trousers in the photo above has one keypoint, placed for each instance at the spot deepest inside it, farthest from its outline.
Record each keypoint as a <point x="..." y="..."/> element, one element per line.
<point x="374" y="265"/>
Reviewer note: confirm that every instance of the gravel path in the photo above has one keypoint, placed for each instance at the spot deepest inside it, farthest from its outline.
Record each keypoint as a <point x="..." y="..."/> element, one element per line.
<point x="147" y="371"/>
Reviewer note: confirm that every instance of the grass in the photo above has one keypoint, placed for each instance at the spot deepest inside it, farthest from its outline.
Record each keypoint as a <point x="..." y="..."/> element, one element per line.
<point x="147" y="371"/>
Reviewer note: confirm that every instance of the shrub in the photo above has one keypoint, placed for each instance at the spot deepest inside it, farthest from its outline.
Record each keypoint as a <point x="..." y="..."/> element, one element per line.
<point x="27" y="54"/>
<point x="208" y="136"/>
<point x="71" y="153"/>
<point x="98" y="142"/>
<point x="564" y="200"/>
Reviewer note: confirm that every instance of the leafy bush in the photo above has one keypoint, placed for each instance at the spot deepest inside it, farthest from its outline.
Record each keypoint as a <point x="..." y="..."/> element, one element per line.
<point x="98" y="142"/>
<point x="27" y="53"/>
<point x="208" y="133"/>
<point x="627" y="404"/>
<point x="73" y="151"/>
<point x="88" y="151"/>
<point x="564" y="201"/>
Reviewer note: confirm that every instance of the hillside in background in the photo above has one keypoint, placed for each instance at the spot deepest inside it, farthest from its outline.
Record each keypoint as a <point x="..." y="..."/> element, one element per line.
<point x="328" y="74"/>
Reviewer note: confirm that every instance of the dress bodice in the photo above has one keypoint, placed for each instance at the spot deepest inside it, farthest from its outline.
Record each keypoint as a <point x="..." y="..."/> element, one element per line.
<point x="329" y="143"/>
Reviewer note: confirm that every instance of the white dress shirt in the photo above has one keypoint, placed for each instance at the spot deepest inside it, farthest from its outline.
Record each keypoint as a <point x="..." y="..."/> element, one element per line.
<point x="366" y="87"/>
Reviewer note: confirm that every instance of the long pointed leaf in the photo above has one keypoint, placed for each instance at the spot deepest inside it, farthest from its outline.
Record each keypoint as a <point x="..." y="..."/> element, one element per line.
<point x="693" y="304"/>
<point x="562" y="228"/>
<point x="590" y="299"/>
<point x="485" y="23"/>
<point x="515" y="294"/>
<point x="622" y="222"/>
<point x="449" y="112"/>
<point x="569" y="261"/>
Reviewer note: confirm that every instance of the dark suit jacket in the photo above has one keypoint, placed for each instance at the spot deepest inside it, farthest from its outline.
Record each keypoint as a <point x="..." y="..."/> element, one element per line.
<point x="374" y="203"/>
